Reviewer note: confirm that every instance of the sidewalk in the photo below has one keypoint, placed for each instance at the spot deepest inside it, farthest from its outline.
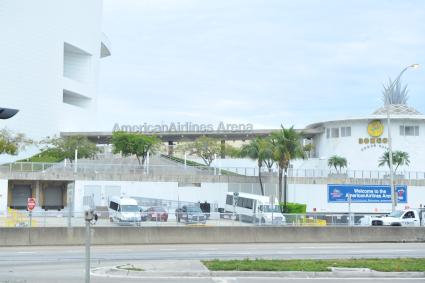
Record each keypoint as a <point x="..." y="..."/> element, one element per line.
<point x="194" y="268"/>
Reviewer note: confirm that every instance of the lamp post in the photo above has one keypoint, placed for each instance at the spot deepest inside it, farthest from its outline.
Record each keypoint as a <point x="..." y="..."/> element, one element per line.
<point x="390" y="149"/>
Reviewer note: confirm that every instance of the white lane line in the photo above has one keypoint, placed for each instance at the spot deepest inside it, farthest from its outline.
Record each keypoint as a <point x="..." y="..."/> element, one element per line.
<point x="27" y="252"/>
<point x="168" y="250"/>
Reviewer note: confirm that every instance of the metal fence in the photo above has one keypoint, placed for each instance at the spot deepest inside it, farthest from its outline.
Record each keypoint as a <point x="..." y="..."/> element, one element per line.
<point x="23" y="218"/>
<point x="178" y="170"/>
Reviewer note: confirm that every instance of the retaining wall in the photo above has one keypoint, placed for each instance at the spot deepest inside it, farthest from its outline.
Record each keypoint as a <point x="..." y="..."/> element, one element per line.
<point x="200" y="235"/>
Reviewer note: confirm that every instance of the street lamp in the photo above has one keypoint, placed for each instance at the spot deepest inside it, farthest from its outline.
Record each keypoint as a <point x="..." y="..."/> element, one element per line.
<point x="390" y="149"/>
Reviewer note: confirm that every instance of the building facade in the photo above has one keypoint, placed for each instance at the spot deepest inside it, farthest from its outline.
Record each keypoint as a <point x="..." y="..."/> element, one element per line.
<point x="363" y="140"/>
<point x="50" y="55"/>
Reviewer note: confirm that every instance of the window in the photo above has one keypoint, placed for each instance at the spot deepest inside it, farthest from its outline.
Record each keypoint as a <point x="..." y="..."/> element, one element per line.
<point x="345" y="131"/>
<point x="113" y="205"/>
<point x="229" y="200"/>
<point x="335" y="132"/>
<point x="409" y="130"/>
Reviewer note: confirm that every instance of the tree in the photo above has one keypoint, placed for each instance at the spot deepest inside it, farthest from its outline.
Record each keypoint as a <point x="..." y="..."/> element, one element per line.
<point x="338" y="162"/>
<point x="135" y="144"/>
<point x="232" y="151"/>
<point x="11" y="143"/>
<point x="400" y="158"/>
<point x="261" y="150"/>
<point x="286" y="147"/>
<point x="64" y="147"/>
<point x="205" y="148"/>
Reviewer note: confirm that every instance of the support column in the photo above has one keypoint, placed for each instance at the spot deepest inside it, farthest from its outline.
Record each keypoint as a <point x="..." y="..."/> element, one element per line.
<point x="223" y="149"/>
<point x="170" y="148"/>
<point x="37" y="193"/>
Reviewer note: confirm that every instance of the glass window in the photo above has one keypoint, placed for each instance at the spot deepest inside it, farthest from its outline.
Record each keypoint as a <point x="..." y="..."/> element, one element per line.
<point x="229" y="200"/>
<point x="409" y="130"/>
<point x="345" y="131"/>
<point x="335" y="132"/>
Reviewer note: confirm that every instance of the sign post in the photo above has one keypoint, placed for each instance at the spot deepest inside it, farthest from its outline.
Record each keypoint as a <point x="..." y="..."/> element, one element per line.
<point x="30" y="207"/>
<point x="271" y="199"/>
<point x="235" y="201"/>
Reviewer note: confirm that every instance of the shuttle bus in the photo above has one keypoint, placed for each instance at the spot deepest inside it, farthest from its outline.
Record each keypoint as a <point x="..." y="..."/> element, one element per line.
<point x="253" y="208"/>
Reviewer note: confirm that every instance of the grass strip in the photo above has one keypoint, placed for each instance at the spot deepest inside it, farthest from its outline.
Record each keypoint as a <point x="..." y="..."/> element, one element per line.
<point x="385" y="265"/>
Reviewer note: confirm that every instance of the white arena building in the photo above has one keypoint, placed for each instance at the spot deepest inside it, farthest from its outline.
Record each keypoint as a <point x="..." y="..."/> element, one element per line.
<point x="50" y="55"/>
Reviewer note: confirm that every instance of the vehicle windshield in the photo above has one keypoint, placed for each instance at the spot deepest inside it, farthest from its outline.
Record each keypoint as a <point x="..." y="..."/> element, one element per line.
<point x="129" y="208"/>
<point x="396" y="214"/>
<point x="193" y="209"/>
<point x="269" y="208"/>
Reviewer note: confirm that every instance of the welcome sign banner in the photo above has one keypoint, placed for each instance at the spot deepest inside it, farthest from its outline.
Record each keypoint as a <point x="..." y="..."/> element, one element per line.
<point x="365" y="193"/>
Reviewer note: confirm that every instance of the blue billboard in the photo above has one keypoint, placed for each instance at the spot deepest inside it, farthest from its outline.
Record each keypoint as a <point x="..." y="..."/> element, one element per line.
<point x="365" y="193"/>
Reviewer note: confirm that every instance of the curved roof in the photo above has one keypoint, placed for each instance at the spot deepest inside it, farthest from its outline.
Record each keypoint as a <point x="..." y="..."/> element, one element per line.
<point x="397" y="112"/>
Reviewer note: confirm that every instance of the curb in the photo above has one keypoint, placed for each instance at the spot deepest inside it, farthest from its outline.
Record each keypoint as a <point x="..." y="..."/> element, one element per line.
<point x="351" y="273"/>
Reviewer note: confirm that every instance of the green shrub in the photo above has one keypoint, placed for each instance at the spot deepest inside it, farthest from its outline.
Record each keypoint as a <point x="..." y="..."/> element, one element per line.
<point x="297" y="208"/>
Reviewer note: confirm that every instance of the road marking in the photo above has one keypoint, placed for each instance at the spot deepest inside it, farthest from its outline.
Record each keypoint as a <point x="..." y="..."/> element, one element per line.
<point x="27" y="252"/>
<point x="168" y="249"/>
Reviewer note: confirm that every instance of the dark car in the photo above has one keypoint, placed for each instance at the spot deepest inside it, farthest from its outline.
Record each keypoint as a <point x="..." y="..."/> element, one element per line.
<point x="156" y="213"/>
<point x="190" y="214"/>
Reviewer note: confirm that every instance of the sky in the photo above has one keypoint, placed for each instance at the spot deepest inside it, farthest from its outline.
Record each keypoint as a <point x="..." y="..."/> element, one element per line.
<point x="263" y="62"/>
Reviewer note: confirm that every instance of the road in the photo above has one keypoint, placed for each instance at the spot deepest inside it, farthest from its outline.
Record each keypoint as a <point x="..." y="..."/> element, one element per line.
<point x="66" y="264"/>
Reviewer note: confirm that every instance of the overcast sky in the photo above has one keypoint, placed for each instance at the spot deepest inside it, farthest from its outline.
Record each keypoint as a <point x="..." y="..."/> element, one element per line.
<point x="265" y="62"/>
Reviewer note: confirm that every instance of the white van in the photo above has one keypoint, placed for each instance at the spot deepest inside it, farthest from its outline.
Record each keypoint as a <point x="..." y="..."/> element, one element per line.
<point x="253" y="208"/>
<point x="124" y="210"/>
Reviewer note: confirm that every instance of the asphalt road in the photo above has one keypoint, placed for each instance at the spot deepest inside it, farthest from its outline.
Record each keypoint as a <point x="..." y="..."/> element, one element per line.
<point x="66" y="264"/>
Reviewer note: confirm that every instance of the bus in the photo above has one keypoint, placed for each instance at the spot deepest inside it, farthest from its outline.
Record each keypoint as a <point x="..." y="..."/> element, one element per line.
<point x="253" y="208"/>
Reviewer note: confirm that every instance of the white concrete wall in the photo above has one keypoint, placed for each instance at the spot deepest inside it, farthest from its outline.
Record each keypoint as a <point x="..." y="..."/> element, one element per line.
<point x="212" y="192"/>
<point x="3" y="196"/>
<point x="316" y="196"/>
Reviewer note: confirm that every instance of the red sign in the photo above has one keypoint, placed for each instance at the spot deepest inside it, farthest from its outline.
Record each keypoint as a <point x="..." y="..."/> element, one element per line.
<point x="30" y="204"/>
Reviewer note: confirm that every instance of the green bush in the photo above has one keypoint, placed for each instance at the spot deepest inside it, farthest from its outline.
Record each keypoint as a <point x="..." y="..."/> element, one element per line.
<point x="297" y="208"/>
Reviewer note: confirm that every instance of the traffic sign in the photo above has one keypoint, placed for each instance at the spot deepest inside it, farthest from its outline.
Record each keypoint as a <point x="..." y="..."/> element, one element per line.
<point x="30" y="204"/>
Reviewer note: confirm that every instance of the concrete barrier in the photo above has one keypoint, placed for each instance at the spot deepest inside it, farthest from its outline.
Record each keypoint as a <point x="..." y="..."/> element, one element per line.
<point x="199" y="235"/>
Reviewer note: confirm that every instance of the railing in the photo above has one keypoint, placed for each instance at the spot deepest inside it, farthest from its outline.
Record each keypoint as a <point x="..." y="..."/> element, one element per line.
<point x="202" y="170"/>
<point x="22" y="218"/>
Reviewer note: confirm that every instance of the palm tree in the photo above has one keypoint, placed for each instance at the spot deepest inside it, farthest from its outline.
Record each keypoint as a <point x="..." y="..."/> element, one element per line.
<point x="400" y="158"/>
<point x="337" y="162"/>
<point x="259" y="149"/>
<point x="286" y="147"/>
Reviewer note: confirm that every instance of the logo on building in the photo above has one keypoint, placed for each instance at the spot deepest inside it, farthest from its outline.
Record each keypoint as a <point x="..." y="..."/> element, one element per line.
<point x="375" y="128"/>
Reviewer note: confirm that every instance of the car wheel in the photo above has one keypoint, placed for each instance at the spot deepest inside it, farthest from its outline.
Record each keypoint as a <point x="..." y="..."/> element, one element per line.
<point x="263" y="220"/>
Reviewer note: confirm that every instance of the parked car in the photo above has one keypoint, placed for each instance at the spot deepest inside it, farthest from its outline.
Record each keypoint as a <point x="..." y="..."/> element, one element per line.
<point x="156" y="213"/>
<point x="190" y="214"/>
